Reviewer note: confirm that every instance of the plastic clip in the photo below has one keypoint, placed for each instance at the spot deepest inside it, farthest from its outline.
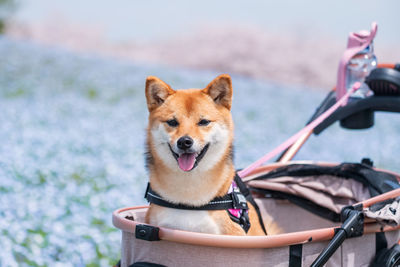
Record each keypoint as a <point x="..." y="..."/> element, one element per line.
<point x="147" y="232"/>
<point x="239" y="200"/>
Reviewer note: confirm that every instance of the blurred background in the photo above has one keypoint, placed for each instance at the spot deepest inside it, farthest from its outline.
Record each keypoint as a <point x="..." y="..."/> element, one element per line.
<point x="73" y="112"/>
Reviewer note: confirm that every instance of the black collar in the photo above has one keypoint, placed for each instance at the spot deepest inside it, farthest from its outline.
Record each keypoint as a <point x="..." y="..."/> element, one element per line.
<point x="234" y="200"/>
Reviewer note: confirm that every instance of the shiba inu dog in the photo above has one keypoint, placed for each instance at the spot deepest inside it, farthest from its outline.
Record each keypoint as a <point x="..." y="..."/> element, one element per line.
<point x="189" y="158"/>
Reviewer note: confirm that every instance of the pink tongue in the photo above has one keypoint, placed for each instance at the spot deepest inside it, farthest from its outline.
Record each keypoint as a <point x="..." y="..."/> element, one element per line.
<point x="186" y="161"/>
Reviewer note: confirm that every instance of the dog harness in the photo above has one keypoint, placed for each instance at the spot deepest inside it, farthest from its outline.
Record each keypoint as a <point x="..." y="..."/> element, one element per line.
<point x="234" y="202"/>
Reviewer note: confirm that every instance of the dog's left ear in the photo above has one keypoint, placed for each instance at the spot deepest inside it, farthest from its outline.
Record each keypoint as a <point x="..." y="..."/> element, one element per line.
<point x="220" y="90"/>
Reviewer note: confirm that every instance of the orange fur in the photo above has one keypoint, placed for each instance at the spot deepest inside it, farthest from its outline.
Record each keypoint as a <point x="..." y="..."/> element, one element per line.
<point x="214" y="172"/>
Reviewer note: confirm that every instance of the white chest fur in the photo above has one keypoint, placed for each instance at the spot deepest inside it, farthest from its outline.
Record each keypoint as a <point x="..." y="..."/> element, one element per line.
<point x="188" y="220"/>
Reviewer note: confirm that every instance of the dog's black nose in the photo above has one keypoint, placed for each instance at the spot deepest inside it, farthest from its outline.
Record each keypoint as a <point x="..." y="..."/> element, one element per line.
<point x="185" y="142"/>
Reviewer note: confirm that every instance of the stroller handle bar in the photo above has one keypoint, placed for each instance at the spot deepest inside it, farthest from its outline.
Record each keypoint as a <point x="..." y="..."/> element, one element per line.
<point x="321" y="117"/>
<point x="358" y="113"/>
<point x="356" y="108"/>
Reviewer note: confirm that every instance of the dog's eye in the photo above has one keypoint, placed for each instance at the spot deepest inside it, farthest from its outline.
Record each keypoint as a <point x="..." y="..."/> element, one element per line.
<point x="172" y="123"/>
<point x="203" y="122"/>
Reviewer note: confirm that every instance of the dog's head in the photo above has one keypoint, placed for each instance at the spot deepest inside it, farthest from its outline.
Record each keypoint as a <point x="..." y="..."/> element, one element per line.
<point x="190" y="129"/>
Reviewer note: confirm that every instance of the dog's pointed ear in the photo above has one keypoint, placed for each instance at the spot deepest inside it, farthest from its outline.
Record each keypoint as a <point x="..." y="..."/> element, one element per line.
<point x="220" y="90"/>
<point x="157" y="92"/>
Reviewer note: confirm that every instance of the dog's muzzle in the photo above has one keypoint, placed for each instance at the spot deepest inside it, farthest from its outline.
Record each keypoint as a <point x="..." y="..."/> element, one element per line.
<point x="188" y="160"/>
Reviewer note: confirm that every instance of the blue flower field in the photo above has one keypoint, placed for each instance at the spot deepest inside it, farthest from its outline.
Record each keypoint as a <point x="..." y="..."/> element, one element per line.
<point x="72" y="134"/>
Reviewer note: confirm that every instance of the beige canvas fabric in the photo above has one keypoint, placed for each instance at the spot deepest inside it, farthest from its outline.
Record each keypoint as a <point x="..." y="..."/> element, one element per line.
<point x="175" y="254"/>
<point x="388" y="214"/>
<point x="289" y="217"/>
<point x="327" y="191"/>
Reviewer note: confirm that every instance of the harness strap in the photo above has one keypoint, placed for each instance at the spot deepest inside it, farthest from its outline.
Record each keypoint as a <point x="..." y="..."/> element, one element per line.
<point x="246" y="192"/>
<point x="235" y="203"/>
<point x="243" y="220"/>
<point x="234" y="200"/>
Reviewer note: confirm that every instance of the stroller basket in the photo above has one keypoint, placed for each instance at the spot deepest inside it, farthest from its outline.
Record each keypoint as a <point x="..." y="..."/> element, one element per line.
<point x="306" y="235"/>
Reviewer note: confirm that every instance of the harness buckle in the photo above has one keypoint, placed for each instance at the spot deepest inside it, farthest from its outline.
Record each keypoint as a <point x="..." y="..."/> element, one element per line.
<point x="239" y="200"/>
<point x="244" y="221"/>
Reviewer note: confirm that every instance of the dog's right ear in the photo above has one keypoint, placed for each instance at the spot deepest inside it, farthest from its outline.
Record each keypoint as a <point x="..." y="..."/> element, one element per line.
<point x="156" y="92"/>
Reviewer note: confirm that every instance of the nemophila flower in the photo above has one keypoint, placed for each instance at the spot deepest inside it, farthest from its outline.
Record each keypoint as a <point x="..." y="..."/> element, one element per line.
<point x="72" y="130"/>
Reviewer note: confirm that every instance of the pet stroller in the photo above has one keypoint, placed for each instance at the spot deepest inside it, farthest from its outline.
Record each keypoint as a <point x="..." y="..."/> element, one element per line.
<point x="335" y="214"/>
